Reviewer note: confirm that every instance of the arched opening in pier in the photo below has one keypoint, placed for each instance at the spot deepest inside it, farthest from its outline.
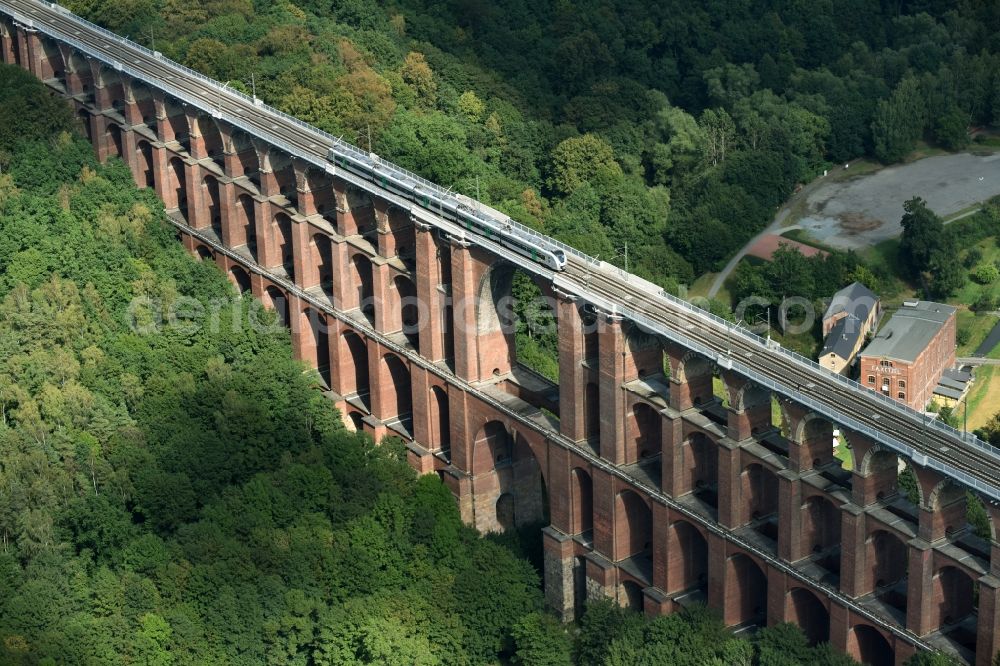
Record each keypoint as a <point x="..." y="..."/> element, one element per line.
<point x="869" y="646"/>
<point x="398" y="403"/>
<point x="240" y="278"/>
<point x="581" y="501"/>
<point x="889" y="560"/>
<point x="315" y="343"/>
<point x="213" y="205"/>
<point x="645" y="428"/>
<point x="176" y="186"/>
<point x="821" y="532"/>
<point x="409" y="310"/>
<point x="144" y="163"/>
<point x="700" y="465"/>
<point x="321" y="252"/>
<point x="275" y="299"/>
<point x="355" y="373"/>
<point x="746" y="598"/>
<point x="364" y="287"/>
<point x="245" y="228"/>
<point x="687" y="562"/>
<point x="281" y="237"/>
<point x="760" y="499"/>
<point x="803" y="608"/>
<point x="633" y="526"/>
<point x="440" y="421"/>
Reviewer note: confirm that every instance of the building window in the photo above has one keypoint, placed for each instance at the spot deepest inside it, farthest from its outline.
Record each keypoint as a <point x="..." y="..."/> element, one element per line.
<point x="871" y="379"/>
<point x="902" y="396"/>
<point x="902" y="383"/>
<point x="885" y="364"/>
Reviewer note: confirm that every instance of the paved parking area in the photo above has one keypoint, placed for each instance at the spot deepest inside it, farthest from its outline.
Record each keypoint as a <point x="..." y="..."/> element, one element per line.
<point x="859" y="212"/>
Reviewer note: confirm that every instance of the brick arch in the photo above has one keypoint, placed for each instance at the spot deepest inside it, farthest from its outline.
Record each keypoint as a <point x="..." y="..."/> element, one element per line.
<point x="204" y="252"/>
<point x="409" y="310"/>
<point x="633" y="526"/>
<point x="630" y="595"/>
<point x="141" y="95"/>
<point x="953" y="597"/>
<point x="240" y="278"/>
<point x="687" y="560"/>
<point x="759" y="487"/>
<point x="243" y="229"/>
<point x="888" y="560"/>
<point x="691" y="365"/>
<point x="275" y="299"/>
<point x="353" y="372"/>
<point x="880" y="471"/>
<point x="805" y="609"/>
<point x="401" y="236"/>
<point x="52" y="62"/>
<point x="700" y="467"/>
<point x="746" y="592"/>
<point x="211" y="198"/>
<point x="321" y="258"/>
<point x="492" y="446"/>
<point x="173" y="122"/>
<point x="644" y="440"/>
<point x="244" y="160"/>
<point x="397" y="403"/>
<point x="495" y="318"/>
<point x="362" y="278"/>
<point x="507" y="476"/>
<point x="440" y="420"/>
<point x="320" y="184"/>
<point x="358" y="216"/>
<point x="581" y="494"/>
<point x="691" y="377"/>
<point x="820" y="524"/>
<point x="814" y="435"/>
<point x="869" y="646"/>
<point x="748" y="395"/>
<point x="212" y="140"/>
<point x="114" y="87"/>
<point x="80" y="77"/>
<point x="645" y="350"/>
<point x="145" y="173"/>
<point x="83" y="119"/>
<point x="175" y="189"/>
<point x="282" y="168"/>
<point x="281" y="243"/>
<point x="314" y="343"/>
<point x="114" y="140"/>
<point x="9" y="53"/>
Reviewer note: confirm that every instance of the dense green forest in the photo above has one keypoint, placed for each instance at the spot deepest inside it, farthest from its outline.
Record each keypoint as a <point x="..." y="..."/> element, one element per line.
<point x="176" y="491"/>
<point x="674" y="127"/>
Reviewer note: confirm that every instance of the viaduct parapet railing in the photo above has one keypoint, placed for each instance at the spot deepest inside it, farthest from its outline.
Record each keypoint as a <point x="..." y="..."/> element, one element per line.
<point x="657" y="460"/>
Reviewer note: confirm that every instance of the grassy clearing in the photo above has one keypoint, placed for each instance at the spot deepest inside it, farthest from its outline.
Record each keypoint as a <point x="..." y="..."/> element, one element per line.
<point x="924" y="150"/>
<point x="968" y="210"/>
<point x="978" y="327"/>
<point x="844" y="454"/>
<point x="701" y="286"/>
<point x="984" y="398"/>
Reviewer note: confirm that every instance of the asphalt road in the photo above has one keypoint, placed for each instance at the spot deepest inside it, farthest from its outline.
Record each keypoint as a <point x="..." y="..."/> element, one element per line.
<point x="860" y="212"/>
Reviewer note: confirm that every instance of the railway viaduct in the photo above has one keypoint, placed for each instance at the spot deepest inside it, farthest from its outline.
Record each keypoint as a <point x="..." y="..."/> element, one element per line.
<point x="657" y="488"/>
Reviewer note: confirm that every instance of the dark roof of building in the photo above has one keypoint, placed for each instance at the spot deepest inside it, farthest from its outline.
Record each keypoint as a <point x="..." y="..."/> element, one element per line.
<point x="909" y="331"/>
<point x="952" y="393"/>
<point x="958" y="375"/>
<point x="855" y="298"/>
<point x="841" y="340"/>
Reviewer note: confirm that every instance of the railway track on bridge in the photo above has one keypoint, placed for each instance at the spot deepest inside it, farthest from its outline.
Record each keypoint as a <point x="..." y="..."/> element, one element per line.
<point x="926" y="441"/>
